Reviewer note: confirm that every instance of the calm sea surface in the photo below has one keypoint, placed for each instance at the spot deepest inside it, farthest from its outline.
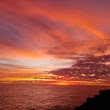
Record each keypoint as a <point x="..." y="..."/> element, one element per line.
<point x="44" y="97"/>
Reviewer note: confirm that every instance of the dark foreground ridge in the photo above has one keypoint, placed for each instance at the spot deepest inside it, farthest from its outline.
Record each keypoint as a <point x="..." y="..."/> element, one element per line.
<point x="98" y="102"/>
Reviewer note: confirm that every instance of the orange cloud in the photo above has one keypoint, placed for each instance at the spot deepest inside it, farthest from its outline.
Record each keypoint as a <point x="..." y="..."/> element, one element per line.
<point x="38" y="29"/>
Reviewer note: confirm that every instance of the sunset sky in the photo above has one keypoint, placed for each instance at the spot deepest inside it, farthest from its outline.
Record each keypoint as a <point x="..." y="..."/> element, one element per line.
<point x="58" y="38"/>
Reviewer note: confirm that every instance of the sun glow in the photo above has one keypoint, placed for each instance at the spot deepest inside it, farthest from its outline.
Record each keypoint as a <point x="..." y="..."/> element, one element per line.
<point x="62" y="83"/>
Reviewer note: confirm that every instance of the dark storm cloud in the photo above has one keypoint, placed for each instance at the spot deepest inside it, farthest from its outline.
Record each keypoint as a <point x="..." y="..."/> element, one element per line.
<point x="87" y="65"/>
<point x="90" y="67"/>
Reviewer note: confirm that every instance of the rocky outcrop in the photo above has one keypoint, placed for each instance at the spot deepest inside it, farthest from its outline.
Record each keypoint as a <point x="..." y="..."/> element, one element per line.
<point x="98" y="102"/>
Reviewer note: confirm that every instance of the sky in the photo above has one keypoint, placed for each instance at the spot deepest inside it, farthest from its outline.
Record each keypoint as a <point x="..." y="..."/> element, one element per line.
<point x="68" y="38"/>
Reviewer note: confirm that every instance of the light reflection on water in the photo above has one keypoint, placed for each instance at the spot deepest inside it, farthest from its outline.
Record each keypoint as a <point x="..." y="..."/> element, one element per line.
<point x="44" y="97"/>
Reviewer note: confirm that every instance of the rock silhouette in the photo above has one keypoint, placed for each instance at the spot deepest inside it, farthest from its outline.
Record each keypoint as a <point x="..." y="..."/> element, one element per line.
<point x="98" y="102"/>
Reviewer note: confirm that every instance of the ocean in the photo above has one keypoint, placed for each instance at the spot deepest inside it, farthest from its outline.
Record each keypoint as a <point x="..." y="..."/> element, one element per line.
<point x="44" y="97"/>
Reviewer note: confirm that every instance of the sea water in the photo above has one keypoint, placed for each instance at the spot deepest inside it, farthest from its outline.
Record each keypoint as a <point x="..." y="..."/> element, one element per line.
<point x="44" y="97"/>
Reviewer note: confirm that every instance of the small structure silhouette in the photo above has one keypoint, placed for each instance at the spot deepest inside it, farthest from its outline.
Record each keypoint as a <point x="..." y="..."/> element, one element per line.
<point x="98" y="102"/>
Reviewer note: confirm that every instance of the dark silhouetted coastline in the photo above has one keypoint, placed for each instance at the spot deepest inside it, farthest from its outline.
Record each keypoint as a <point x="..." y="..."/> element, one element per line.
<point x="98" y="102"/>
